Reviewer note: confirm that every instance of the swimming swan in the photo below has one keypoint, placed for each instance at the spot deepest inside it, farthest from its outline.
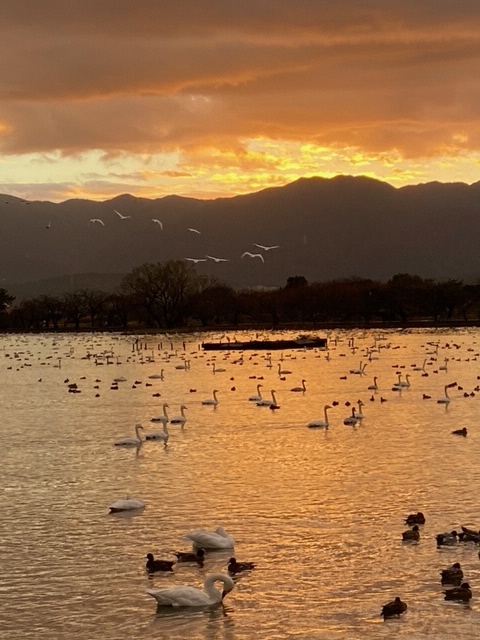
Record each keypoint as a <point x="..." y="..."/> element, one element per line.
<point x="159" y="435"/>
<point x="301" y="389"/>
<point x="192" y="597"/>
<point x="181" y="419"/>
<point x="212" y="401"/>
<point x="219" y="539"/>
<point x="258" y="397"/>
<point x="126" y="505"/>
<point x="131" y="442"/>
<point x="163" y="418"/>
<point x="320" y="424"/>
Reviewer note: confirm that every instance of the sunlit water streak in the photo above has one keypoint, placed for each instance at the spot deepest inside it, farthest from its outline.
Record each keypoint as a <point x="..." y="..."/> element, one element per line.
<point x="320" y="512"/>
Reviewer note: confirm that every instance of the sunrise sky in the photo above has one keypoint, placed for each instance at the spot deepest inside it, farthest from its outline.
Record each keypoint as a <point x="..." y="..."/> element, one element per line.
<point x="208" y="98"/>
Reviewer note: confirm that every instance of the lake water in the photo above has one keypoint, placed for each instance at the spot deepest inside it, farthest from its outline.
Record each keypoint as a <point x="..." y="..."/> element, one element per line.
<point x="321" y="513"/>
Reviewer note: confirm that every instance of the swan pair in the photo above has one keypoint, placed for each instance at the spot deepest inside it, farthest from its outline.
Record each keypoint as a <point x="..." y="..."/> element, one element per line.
<point x="193" y="597"/>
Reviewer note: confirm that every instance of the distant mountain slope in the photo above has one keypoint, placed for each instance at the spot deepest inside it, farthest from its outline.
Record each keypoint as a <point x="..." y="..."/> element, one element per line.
<point x="325" y="229"/>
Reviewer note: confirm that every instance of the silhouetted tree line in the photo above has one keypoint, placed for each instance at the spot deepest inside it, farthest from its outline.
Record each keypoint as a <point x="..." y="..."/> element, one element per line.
<point x="172" y="294"/>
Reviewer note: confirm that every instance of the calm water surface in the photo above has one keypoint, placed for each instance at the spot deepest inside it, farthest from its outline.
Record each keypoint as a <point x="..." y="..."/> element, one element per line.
<point x="320" y="512"/>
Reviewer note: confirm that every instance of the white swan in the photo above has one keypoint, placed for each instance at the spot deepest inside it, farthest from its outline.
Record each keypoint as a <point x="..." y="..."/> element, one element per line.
<point x="361" y="369"/>
<point x="358" y="414"/>
<point x="351" y="420"/>
<point x="282" y="372"/>
<point x="182" y="418"/>
<point x="193" y="597"/>
<point x="212" y="401"/>
<point x="131" y="442"/>
<point x="422" y="368"/>
<point x="157" y="376"/>
<point x="301" y="389"/>
<point x="320" y="424"/>
<point x="219" y="539"/>
<point x="258" y="397"/>
<point x="159" y="435"/>
<point x="269" y="403"/>
<point x="215" y="370"/>
<point x="126" y="505"/>
<point x="163" y="418"/>
<point x="446" y="399"/>
<point x="374" y="386"/>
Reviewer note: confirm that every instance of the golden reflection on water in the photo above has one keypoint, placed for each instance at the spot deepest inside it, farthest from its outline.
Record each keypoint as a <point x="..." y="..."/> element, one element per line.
<point x="320" y="512"/>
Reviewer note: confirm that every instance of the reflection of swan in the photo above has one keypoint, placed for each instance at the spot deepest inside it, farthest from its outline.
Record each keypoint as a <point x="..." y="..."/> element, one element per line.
<point x="159" y="435"/>
<point x="269" y="403"/>
<point x="126" y="505"/>
<point x="258" y="397"/>
<point x="219" y="539"/>
<point x="181" y="419"/>
<point x="163" y="418"/>
<point x="213" y="400"/>
<point x="446" y="399"/>
<point x="192" y="597"/>
<point x="320" y="424"/>
<point x="301" y="389"/>
<point x="131" y="442"/>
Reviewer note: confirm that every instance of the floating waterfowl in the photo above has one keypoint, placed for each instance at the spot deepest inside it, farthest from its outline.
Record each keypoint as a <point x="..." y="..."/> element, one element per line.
<point x="415" y="518"/>
<point x="445" y="539"/>
<point x="158" y="565"/>
<point x="460" y="432"/>
<point x="411" y="534"/>
<point x="219" y="539"/>
<point x="394" y="608"/>
<point x="188" y="556"/>
<point x="452" y="575"/>
<point x="462" y="593"/>
<point x="192" y="597"/>
<point x="237" y="567"/>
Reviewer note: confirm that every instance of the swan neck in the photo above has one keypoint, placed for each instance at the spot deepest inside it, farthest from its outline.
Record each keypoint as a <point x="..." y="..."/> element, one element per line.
<point x="209" y="586"/>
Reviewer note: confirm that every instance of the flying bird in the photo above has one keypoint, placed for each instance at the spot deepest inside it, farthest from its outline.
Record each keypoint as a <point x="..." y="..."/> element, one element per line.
<point x="120" y="215"/>
<point x="49" y="225"/>
<point x="160" y="224"/>
<point x="194" y="230"/>
<point x="217" y="259"/>
<point x="195" y="260"/>
<point x="97" y="220"/>
<point x="253" y="255"/>
<point x="261" y="246"/>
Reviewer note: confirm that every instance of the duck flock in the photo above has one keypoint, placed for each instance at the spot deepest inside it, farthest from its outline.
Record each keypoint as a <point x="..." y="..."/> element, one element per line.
<point x="271" y="388"/>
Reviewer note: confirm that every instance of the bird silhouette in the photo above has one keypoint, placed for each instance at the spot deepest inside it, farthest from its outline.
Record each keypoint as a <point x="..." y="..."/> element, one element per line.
<point x="121" y="216"/>
<point x="217" y="259"/>
<point x="160" y="224"/>
<point x="97" y="220"/>
<point x="262" y="246"/>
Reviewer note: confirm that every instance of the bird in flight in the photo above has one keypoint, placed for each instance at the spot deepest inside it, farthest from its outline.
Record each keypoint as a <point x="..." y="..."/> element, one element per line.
<point x="97" y="220"/>
<point x="217" y="259"/>
<point x="120" y="215"/>
<point x="49" y="225"/>
<point x="160" y="224"/>
<point x="261" y="246"/>
<point x="195" y="260"/>
<point x="194" y="230"/>
<point x="253" y="255"/>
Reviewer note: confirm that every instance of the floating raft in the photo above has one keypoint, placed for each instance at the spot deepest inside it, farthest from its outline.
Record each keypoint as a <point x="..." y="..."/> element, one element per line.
<point x="267" y="345"/>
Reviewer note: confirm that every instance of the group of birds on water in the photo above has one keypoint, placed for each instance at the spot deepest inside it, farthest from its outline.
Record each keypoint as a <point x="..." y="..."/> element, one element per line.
<point x="202" y="541"/>
<point x="246" y="254"/>
<point x="458" y="591"/>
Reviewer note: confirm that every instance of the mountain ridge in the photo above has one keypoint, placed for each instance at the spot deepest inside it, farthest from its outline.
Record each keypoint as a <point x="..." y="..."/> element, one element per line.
<point x="326" y="228"/>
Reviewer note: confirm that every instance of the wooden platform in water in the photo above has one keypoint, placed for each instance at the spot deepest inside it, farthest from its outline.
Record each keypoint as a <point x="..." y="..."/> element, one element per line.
<point x="267" y="345"/>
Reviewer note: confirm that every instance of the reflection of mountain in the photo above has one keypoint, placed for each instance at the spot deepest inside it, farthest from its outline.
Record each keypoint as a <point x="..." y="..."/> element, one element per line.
<point x="326" y="229"/>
